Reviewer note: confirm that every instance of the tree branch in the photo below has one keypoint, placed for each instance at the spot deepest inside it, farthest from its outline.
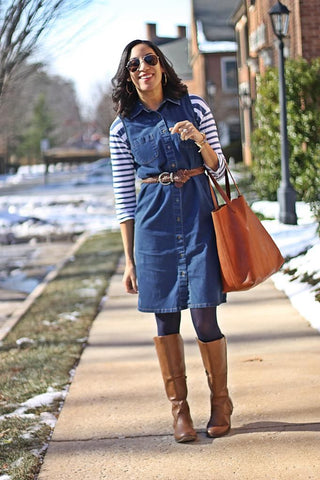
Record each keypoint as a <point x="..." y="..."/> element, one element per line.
<point x="22" y="23"/>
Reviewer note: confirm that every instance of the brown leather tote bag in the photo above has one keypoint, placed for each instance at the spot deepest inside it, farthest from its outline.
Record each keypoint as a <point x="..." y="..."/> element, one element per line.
<point x="247" y="253"/>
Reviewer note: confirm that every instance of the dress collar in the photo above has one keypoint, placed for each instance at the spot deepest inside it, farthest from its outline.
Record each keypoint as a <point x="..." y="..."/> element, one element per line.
<point x="139" y="107"/>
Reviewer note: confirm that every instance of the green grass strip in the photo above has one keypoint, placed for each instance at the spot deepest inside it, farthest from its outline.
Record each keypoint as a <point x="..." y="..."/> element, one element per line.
<point x="56" y="328"/>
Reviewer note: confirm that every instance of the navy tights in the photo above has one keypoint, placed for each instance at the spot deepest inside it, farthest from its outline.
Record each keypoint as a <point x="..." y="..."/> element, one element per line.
<point x="204" y="321"/>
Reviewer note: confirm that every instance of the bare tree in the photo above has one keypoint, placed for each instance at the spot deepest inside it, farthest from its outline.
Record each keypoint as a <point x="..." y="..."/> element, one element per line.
<point x="22" y="23"/>
<point x="104" y="113"/>
<point x="19" y="103"/>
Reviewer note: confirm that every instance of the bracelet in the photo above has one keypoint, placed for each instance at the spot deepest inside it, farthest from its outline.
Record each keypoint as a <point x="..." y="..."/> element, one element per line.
<point x="202" y="142"/>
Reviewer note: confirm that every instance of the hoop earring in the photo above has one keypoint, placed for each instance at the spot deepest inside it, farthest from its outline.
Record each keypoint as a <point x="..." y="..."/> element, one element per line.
<point x="164" y="79"/>
<point x="129" y="92"/>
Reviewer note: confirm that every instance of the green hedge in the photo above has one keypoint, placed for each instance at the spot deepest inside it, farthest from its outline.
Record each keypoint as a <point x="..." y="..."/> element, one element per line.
<point x="303" y="117"/>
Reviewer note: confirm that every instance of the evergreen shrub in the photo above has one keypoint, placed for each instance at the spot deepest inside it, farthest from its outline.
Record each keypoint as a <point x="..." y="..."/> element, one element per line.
<point x="303" y="118"/>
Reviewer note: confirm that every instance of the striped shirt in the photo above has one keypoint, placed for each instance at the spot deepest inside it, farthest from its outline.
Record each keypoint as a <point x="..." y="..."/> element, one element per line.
<point x="122" y="160"/>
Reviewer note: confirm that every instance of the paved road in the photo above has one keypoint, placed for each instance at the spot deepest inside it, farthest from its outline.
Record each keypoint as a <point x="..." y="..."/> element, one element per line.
<point x="116" y="421"/>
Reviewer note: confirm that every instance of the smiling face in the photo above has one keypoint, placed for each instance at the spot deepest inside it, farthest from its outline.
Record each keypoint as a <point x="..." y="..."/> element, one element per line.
<point x="147" y="78"/>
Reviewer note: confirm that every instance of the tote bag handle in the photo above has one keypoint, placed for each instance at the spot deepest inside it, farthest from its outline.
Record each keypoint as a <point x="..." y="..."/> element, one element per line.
<point x="226" y="195"/>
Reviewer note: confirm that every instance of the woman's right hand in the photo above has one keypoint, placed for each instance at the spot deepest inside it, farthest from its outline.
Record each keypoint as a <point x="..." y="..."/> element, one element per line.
<point x="130" y="279"/>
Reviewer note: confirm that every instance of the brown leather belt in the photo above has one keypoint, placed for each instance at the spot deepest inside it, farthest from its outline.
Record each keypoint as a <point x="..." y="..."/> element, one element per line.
<point x="178" y="178"/>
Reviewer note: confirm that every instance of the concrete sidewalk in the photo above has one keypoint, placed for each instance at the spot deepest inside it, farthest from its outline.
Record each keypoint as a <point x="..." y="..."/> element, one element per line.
<point x="116" y="421"/>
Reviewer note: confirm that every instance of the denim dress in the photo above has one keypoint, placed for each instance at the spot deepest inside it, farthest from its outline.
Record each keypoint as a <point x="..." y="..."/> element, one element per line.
<point x="175" y="248"/>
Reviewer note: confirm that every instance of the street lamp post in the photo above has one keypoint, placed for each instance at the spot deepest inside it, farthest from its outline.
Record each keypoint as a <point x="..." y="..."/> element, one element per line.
<point x="279" y="14"/>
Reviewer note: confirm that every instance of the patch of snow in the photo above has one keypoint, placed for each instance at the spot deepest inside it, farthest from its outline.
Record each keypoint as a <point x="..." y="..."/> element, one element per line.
<point x="271" y="210"/>
<point x="26" y="416"/>
<point x="23" y="341"/>
<point x="87" y="292"/>
<point x="41" y="400"/>
<point x="82" y="340"/>
<point x="47" y="323"/>
<point x="48" y="418"/>
<point x="65" y="205"/>
<point x="292" y="240"/>
<point x="69" y="316"/>
<point x="301" y="242"/>
<point x="18" y="462"/>
<point x="41" y="451"/>
<point x="302" y="294"/>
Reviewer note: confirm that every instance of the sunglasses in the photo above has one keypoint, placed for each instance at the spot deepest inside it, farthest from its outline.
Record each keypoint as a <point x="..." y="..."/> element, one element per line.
<point x="134" y="63"/>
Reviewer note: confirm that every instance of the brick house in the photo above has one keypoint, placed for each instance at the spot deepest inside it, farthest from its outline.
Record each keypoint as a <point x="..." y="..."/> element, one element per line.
<point x="175" y="49"/>
<point x="206" y="62"/>
<point x="257" y="48"/>
<point x="214" y="65"/>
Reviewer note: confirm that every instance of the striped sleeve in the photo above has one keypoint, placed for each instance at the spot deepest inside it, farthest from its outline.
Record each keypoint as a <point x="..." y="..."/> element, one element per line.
<point x="123" y="172"/>
<point x="207" y="125"/>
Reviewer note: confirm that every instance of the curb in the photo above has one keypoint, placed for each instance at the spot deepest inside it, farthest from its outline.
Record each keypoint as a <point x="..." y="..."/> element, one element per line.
<point x="26" y="304"/>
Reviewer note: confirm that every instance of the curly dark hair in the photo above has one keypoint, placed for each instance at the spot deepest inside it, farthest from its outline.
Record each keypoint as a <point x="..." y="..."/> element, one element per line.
<point x="124" y="101"/>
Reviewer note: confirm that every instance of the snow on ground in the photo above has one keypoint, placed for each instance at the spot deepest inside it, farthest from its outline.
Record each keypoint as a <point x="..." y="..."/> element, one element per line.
<point x="81" y="199"/>
<point x="54" y="213"/>
<point x="67" y="202"/>
<point x="47" y="418"/>
<point x="41" y="400"/>
<point x="301" y="293"/>
<point x="302" y="244"/>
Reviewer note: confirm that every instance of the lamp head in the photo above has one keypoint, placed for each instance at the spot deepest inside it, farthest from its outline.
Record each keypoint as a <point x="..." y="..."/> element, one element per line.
<point x="279" y="15"/>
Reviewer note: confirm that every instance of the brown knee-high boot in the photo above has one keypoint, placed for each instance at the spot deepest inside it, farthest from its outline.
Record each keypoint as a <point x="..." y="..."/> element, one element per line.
<point x="170" y="352"/>
<point x="214" y="357"/>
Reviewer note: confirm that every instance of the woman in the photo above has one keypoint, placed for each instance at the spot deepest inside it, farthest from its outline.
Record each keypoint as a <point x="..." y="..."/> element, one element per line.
<point x="168" y="137"/>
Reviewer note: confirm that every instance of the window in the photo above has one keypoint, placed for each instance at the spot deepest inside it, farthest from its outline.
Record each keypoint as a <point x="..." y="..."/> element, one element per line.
<point x="229" y="74"/>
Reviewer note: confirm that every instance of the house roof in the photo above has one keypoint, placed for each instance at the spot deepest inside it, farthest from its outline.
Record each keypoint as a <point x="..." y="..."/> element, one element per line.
<point x="175" y="49"/>
<point x="215" y="16"/>
<point x="177" y="52"/>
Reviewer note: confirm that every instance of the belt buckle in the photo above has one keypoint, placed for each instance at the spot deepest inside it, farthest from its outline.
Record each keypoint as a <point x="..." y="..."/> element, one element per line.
<point x="162" y="181"/>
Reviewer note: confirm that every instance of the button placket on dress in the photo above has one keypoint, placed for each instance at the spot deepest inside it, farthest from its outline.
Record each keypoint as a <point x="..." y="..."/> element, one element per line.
<point x="180" y="245"/>
<point x="176" y="195"/>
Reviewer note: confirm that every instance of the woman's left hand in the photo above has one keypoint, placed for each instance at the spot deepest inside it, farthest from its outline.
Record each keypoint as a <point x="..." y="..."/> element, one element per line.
<point x="187" y="131"/>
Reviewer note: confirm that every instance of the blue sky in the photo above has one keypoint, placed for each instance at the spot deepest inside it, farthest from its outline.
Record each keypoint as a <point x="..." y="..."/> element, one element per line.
<point x="88" y="48"/>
